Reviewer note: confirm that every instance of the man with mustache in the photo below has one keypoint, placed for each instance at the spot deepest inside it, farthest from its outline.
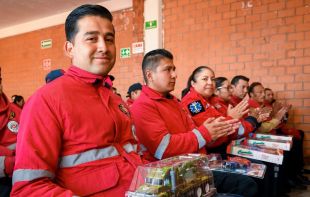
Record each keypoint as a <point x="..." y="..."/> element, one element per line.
<point x="75" y="134"/>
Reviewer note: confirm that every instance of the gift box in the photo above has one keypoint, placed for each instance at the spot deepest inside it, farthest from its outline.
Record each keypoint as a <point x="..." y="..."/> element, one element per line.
<point x="272" y="137"/>
<point x="270" y="143"/>
<point x="256" y="152"/>
<point x="184" y="175"/>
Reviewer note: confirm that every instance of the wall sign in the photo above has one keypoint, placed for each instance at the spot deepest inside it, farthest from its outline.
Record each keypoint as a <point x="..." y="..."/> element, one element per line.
<point x="46" y="44"/>
<point x="151" y="24"/>
<point x="47" y="64"/>
<point x="137" y="47"/>
<point x="125" y="52"/>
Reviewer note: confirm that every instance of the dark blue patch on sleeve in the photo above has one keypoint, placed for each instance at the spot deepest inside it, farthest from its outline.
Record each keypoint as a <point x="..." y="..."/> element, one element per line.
<point x="195" y="108"/>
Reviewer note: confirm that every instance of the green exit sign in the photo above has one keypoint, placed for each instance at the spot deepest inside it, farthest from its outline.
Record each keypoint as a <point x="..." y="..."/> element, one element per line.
<point x="151" y="24"/>
<point x="125" y="52"/>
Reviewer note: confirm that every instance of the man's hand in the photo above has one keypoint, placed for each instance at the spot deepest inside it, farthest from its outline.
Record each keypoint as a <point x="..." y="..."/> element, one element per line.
<point x="281" y="113"/>
<point x="220" y="126"/>
<point x="239" y="110"/>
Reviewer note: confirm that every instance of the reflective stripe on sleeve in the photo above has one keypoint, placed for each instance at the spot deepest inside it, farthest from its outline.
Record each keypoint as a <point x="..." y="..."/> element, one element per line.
<point x="129" y="147"/>
<point x="162" y="146"/>
<point x="87" y="156"/>
<point x="241" y="130"/>
<point x="201" y="141"/>
<point x="30" y="174"/>
<point x="2" y="166"/>
<point x="12" y="146"/>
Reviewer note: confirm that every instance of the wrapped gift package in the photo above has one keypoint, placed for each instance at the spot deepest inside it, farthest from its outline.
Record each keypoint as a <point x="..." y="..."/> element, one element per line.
<point x="256" y="152"/>
<point x="184" y="175"/>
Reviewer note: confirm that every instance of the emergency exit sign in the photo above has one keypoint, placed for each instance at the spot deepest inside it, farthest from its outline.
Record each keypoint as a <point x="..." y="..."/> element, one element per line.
<point x="46" y="44"/>
<point x="125" y="52"/>
<point x="151" y="24"/>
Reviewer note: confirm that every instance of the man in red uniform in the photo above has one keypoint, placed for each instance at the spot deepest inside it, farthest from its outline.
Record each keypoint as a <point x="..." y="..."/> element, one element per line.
<point x="166" y="130"/>
<point x="9" y="120"/>
<point x="239" y="85"/>
<point x="133" y="93"/>
<point x="75" y="134"/>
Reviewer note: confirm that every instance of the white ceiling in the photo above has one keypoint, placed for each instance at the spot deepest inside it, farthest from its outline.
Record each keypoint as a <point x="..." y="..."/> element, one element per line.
<point x="14" y="12"/>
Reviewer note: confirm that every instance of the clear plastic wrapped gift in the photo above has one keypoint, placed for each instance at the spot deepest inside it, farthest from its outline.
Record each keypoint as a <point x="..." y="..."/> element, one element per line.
<point x="184" y="175"/>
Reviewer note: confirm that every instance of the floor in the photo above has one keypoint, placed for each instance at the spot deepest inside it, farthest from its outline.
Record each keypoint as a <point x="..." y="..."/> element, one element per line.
<point x="301" y="193"/>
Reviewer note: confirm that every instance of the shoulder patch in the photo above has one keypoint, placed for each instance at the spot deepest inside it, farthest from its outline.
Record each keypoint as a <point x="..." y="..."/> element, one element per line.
<point x="195" y="108"/>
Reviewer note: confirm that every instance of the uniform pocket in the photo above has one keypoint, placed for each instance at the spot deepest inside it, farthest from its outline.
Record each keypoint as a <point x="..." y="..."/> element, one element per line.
<point x="95" y="181"/>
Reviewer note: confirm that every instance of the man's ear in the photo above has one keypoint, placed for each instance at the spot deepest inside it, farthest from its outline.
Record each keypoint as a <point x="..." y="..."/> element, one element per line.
<point x="149" y="76"/>
<point x="216" y="92"/>
<point x="68" y="48"/>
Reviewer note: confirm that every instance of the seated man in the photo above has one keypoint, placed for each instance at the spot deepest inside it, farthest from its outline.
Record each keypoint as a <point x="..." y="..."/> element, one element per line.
<point x="9" y="120"/>
<point x="166" y="130"/>
<point x="133" y="93"/>
<point x="75" y="134"/>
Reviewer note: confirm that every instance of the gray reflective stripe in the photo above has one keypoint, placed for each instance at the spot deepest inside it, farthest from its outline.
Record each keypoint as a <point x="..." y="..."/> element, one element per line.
<point x="201" y="141"/>
<point x="142" y="149"/>
<point x="87" y="156"/>
<point x="162" y="146"/>
<point x="2" y="166"/>
<point x="12" y="146"/>
<point x="30" y="174"/>
<point x="241" y="130"/>
<point x="129" y="147"/>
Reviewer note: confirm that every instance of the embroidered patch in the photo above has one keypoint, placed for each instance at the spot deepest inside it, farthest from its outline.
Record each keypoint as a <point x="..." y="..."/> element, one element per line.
<point x="13" y="126"/>
<point x="195" y="108"/>
<point x="12" y="115"/>
<point x="124" y="109"/>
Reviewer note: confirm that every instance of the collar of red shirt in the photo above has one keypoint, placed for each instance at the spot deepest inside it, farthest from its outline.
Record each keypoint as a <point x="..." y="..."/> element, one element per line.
<point x="86" y="76"/>
<point x="235" y="99"/>
<point x="195" y="94"/>
<point x="216" y="99"/>
<point x="253" y="103"/>
<point x="153" y="94"/>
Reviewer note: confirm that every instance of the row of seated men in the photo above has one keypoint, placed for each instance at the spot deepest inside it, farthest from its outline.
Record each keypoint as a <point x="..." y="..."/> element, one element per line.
<point x="75" y="137"/>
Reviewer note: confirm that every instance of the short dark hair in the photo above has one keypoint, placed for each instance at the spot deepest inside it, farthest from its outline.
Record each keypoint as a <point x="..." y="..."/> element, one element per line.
<point x="219" y="81"/>
<point x="17" y="98"/>
<point x="71" y="27"/>
<point x="193" y="77"/>
<point x="237" y="78"/>
<point x="152" y="59"/>
<point x="252" y="86"/>
<point x="267" y="89"/>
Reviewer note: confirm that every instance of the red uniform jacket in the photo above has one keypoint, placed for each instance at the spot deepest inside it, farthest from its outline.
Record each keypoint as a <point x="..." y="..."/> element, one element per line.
<point x="129" y="102"/>
<point x="75" y="138"/>
<point x="164" y="128"/>
<point x="249" y="123"/>
<point x="235" y="100"/>
<point x="9" y="120"/>
<point x="200" y="110"/>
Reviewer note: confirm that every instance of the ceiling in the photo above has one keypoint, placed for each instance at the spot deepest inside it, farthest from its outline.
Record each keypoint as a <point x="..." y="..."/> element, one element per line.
<point x="14" y="12"/>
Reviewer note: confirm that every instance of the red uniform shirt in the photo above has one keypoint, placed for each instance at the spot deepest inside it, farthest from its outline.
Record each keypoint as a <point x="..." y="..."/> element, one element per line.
<point x="200" y="110"/>
<point x="75" y="138"/>
<point x="9" y="120"/>
<point x="249" y="123"/>
<point x="235" y="100"/>
<point x="164" y="128"/>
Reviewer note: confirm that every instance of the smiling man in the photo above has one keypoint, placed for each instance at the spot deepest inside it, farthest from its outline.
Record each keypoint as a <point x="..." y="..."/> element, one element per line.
<point x="75" y="134"/>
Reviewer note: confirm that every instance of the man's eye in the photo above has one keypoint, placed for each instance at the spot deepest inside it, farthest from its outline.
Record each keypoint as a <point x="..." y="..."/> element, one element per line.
<point x="91" y="39"/>
<point x="109" y="40"/>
